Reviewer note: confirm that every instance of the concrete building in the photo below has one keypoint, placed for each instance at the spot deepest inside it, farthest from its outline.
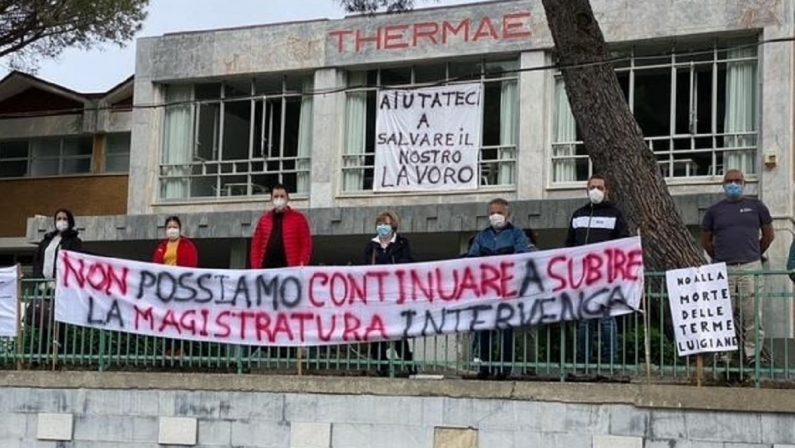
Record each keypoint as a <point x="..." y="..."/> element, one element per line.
<point x="59" y="148"/>
<point x="221" y="115"/>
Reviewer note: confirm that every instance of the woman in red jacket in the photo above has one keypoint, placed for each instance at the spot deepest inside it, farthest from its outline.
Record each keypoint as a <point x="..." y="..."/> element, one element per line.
<point x="176" y="250"/>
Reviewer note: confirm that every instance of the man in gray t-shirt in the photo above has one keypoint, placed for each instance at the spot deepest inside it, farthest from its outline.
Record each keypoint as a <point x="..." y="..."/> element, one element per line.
<point x="737" y="231"/>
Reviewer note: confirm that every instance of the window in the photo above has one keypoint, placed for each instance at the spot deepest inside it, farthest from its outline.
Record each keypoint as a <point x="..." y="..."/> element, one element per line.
<point x="697" y="112"/>
<point x="117" y="154"/>
<point x="237" y="137"/>
<point x="499" y="126"/>
<point x="46" y="156"/>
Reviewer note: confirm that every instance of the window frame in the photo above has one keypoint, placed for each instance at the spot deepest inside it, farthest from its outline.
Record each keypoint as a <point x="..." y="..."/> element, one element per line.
<point x="61" y="158"/>
<point x="719" y="59"/>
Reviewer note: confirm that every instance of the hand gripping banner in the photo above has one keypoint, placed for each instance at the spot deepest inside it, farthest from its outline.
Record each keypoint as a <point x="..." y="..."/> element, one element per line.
<point x="321" y="305"/>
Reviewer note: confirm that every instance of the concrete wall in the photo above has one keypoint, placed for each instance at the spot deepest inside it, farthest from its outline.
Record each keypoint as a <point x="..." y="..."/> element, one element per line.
<point x="94" y="410"/>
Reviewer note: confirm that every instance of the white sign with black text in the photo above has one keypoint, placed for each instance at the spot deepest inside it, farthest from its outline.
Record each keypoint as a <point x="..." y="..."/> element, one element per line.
<point x="9" y="292"/>
<point x="701" y="308"/>
<point x="428" y="139"/>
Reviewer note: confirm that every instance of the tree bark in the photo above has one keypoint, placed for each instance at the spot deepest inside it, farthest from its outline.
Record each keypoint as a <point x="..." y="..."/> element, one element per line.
<point x="613" y="139"/>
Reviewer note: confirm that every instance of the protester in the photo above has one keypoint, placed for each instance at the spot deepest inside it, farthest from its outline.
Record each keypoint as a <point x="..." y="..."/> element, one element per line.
<point x="64" y="237"/>
<point x="387" y="247"/>
<point x="499" y="238"/>
<point x="45" y="262"/>
<point x="730" y="233"/>
<point x="597" y="221"/>
<point x="176" y="249"/>
<point x="282" y="236"/>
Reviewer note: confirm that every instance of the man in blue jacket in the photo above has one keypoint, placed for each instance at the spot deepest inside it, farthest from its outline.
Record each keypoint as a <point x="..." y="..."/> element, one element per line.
<point x="499" y="238"/>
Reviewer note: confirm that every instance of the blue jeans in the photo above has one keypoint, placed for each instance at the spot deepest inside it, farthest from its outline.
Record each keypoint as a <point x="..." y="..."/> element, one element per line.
<point x="606" y="341"/>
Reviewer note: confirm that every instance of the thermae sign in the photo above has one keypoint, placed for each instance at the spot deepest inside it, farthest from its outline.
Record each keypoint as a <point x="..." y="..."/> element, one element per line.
<point x="509" y="27"/>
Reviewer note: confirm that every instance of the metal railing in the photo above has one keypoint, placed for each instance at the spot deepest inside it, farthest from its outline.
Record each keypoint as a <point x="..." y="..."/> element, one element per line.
<point x="644" y="350"/>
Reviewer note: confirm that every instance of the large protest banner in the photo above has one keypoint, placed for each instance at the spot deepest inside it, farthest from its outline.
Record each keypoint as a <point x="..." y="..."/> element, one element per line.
<point x="320" y="305"/>
<point x="428" y="139"/>
<point x="9" y="300"/>
<point x="701" y="309"/>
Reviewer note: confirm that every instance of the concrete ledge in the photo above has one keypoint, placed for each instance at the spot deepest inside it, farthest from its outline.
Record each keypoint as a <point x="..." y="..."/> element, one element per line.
<point x="639" y="395"/>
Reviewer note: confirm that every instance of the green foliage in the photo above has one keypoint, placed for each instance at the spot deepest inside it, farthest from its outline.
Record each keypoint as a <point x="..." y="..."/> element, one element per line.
<point x="35" y="29"/>
<point x="372" y="6"/>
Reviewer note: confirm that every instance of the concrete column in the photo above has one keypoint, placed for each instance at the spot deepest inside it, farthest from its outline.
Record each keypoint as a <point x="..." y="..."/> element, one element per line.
<point x="776" y="182"/>
<point x="328" y="137"/>
<point x="534" y="128"/>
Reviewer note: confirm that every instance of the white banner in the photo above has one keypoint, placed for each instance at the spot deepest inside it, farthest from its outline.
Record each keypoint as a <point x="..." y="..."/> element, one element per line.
<point x="428" y="139"/>
<point x="701" y="308"/>
<point x="9" y="301"/>
<point x="319" y="305"/>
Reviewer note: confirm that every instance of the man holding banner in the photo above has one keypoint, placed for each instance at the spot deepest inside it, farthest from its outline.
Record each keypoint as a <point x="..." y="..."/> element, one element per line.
<point x="499" y="238"/>
<point x="597" y="222"/>
<point x="731" y="234"/>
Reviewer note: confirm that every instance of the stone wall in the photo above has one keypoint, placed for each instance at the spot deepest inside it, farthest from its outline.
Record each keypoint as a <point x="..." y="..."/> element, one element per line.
<point x="72" y="409"/>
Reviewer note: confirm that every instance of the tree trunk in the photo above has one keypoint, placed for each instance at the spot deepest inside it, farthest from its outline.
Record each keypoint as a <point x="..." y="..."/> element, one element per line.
<point x="613" y="139"/>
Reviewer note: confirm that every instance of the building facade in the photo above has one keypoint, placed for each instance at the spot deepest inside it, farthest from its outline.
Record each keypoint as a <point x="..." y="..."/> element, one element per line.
<point x="59" y="149"/>
<point x="219" y="116"/>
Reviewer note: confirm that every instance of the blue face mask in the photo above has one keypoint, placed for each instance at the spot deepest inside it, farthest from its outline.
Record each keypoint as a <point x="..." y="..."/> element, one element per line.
<point x="733" y="191"/>
<point x="384" y="230"/>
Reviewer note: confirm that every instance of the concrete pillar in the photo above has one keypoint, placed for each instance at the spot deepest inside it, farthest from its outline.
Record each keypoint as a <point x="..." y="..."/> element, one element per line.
<point x="535" y="124"/>
<point x="328" y="136"/>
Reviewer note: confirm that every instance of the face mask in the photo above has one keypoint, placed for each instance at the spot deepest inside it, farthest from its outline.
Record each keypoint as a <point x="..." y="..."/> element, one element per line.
<point x="596" y="195"/>
<point x="62" y="226"/>
<point x="733" y="191"/>
<point x="497" y="220"/>
<point x="279" y="203"/>
<point x="172" y="233"/>
<point x="384" y="230"/>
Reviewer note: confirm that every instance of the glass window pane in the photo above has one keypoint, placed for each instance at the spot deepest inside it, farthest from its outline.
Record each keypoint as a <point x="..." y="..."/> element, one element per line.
<point x="117" y="163"/>
<point x="44" y="167"/>
<point x="653" y="101"/>
<point x="77" y="146"/>
<point x="296" y="83"/>
<point x="209" y="91"/>
<point x="430" y="73"/>
<point x="464" y="70"/>
<point x="14" y="169"/>
<point x="76" y="166"/>
<point x="209" y="128"/>
<point x="118" y="143"/>
<point x="491" y="114"/>
<point x="237" y="124"/>
<point x="50" y="147"/>
<point x="237" y="88"/>
<point x="396" y="76"/>
<point x="273" y="127"/>
<point x="9" y="150"/>
<point x="292" y="123"/>
<point x="268" y="85"/>
<point x="502" y="68"/>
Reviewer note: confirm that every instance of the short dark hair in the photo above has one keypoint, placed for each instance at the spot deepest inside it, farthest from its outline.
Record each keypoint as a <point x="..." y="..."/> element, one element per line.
<point x="173" y="219"/>
<point x="280" y="186"/>
<point x="602" y="178"/>
<point x="70" y="218"/>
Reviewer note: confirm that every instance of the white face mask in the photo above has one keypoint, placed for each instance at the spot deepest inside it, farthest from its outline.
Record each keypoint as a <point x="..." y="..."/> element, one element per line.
<point x="596" y="195"/>
<point x="172" y="233"/>
<point x="279" y="203"/>
<point x="61" y="226"/>
<point x="497" y="220"/>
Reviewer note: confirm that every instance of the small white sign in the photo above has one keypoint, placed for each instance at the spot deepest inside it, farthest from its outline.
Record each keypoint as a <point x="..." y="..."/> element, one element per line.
<point x="701" y="308"/>
<point x="9" y="292"/>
